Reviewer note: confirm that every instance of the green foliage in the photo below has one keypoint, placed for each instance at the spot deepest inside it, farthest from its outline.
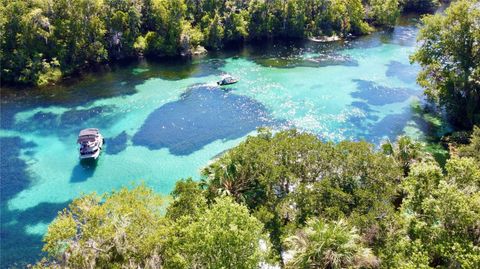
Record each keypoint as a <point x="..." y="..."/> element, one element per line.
<point x="140" y="44"/>
<point x="192" y="37"/>
<point x="223" y="236"/>
<point x="127" y="229"/>
<point x="261" y="19"/>
<point x="78" y="33"/>
<point x="188" y="200"/>
<point x="164" y="30"/>
<point x="290" y="177"/>
<point x="96" y="234"/>
<point x="473" y="148"/>
<point x="345" y="17"/>
<point x="49" y="72"/>
<point x="441" y="212"/>
<point x="236" y="25"/>
<point x="385" y="12"/>
<point x="123" y="24"/>
<point x="328" y="245"/>
<point x="450" y="64"/>
<point x="420" y="6"/>
<point x="406" y="152"/>
<point x="420" y="182"/>
<point x="295" y="19"/>
<point x="214" y="31"/>
<point x="45" y="40"/>
<point x="353" y="18"/>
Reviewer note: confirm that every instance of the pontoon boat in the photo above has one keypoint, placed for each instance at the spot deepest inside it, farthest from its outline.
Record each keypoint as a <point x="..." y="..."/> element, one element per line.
<point x="91" y="143"/>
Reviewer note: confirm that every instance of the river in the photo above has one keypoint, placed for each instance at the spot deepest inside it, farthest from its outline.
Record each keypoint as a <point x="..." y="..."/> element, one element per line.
<point x="165" y="121"/>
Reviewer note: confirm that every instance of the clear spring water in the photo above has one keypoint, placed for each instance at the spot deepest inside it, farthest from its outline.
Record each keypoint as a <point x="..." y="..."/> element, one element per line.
<point x="165" y="121"/>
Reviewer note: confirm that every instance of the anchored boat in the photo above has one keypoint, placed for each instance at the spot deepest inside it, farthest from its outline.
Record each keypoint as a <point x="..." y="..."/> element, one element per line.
<point x="91" y="143"/>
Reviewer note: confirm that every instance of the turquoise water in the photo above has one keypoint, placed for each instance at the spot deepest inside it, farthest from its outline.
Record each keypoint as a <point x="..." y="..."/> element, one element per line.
<point x="165" y="121"/>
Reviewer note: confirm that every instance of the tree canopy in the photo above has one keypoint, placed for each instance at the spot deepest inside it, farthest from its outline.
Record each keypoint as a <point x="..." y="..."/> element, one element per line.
<point x="43" y="41"/>
<point x="440" y="227"/>
<point x="472" y="149"/>
<point x="128" y="229"/>
<point x="449" y="54"/>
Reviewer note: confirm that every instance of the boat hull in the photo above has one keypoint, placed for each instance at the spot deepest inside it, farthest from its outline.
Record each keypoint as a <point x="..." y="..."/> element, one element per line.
<point x="225" y="84"/>
<point x="90" y="156"/>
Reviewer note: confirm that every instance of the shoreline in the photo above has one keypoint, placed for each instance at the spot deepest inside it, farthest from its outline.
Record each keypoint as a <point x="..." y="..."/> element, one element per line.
<point x="193" y="54"/>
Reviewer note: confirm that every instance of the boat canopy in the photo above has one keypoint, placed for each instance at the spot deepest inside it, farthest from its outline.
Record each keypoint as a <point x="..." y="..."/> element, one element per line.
<point x="89" y="131"/>
<point x="227" y="80"/>
<point x="87" y="135"/>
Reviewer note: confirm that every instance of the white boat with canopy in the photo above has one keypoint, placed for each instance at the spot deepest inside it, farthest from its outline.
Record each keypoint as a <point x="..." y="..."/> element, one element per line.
<point x="91" y="143"/>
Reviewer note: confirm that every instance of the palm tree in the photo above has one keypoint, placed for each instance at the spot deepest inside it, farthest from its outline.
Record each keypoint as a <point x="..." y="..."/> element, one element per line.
<point x="227" y="178"/>
<point x="405" y="152"/>
<point x="328" y="245"/>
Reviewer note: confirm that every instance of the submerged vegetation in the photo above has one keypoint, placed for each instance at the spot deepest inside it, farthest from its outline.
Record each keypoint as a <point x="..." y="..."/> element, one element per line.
<point x="43" y="41"/>
<point x="287" y="199"/>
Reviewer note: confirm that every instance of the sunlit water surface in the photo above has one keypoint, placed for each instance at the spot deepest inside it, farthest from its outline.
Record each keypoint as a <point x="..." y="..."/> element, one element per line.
<point x="164" y="121"/>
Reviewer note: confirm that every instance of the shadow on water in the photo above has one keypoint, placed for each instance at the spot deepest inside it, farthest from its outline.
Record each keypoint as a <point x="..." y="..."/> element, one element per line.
<point x="298" y="53"/>
<point x="373" y="130"/>
<point x="317" y="61"/>
<point x="67" y="123"/>
<point x="83" y="170"/>
<point x="378" y="95"/>
<point x="363" y="106"/>
<point x="404" y="34"/>
<point x="119" y="80"/>
<point x="116" y="144"/>
<point x="369" y="127"/>
<point x="13" y="170"/>
<point x="178" y="68"/>
<point x="202" y="115"/>
<point x="390" y="126"/>
<point x="405" y="72"/>
<point x="291" y="53"/>
<point x="19" y="246"/>
<point x="363" y="119"/>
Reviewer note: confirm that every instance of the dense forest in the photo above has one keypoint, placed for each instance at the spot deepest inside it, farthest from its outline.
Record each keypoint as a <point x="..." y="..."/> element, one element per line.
<point x="289" y="200"/>
<point x="43" y="41"/>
